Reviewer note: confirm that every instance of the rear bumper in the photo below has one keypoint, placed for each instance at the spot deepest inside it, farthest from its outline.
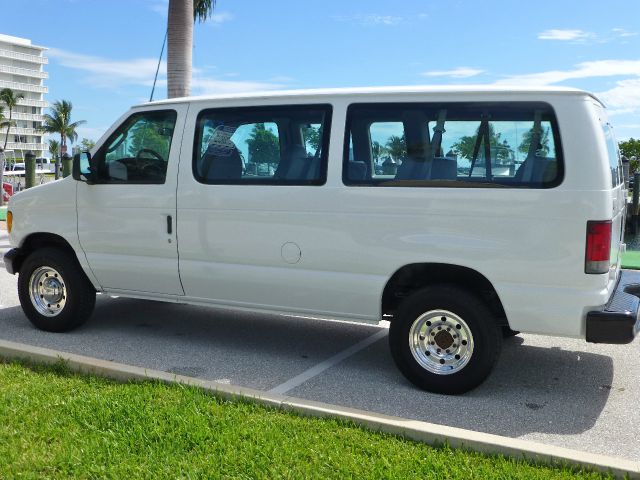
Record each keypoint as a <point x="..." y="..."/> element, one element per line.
<point x="13" y="260"/>
<point x="618" y="321"/>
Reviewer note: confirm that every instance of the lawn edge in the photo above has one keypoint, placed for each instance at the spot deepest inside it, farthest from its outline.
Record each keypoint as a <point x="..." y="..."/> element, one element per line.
<point x="429" y="433"/>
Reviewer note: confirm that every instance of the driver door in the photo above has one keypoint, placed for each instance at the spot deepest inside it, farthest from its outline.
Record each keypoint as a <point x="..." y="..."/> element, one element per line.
<point x="127" y="217"/>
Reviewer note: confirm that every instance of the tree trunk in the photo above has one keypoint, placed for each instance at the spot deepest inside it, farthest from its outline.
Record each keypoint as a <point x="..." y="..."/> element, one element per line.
<point x="179" y="48"/>
<point x="59" y="157"/>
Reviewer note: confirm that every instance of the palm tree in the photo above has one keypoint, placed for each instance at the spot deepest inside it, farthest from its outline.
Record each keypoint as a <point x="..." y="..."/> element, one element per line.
<point x="182" y="15"/>
<point x="11" y="99"/>
<point x="4" y="122"/>
<point x="59" y="121"/>
<point x="54" y="148"/>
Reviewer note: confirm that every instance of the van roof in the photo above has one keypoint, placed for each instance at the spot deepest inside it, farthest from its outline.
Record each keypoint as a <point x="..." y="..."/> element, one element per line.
<point x="364" y="91"/>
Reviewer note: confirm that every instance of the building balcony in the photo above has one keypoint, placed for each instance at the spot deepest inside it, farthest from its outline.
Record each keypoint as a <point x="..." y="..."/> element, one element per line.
<point x="26" y="146"/>
<point x="23" y="71"/>
<point x="25" y="87"/>
<point x="26" y="116"/>
<point x="25" y="57"/>
<point x="21" y="131"/>
<point x="33" y="103"/>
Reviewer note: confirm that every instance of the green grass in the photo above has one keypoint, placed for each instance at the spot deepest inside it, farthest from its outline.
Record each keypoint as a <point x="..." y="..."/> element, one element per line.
<point x="55" y="424"/>
<point x="631" y="259"/>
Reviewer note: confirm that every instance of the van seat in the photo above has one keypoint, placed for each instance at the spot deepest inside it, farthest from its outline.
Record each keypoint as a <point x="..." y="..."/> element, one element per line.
<point x="544" y="169"/>
<point x="297" y="165"/>
<point x="356" y="170"/>
<point x="225" y="165"/>
<point x="442" y="168"/>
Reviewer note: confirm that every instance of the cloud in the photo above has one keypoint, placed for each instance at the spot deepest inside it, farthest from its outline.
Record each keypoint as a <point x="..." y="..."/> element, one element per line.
<point x="222" y="17"/>
<point x="622" y="98"/>
<point x="371" y="20"/>
<point x="104" y="72"/>
<point x="460" y="72"/>
<point x="621" y="32"/>
<point x="598" y="68"/>
<point x="113" y="74"/>
<point x="564" y="35"/>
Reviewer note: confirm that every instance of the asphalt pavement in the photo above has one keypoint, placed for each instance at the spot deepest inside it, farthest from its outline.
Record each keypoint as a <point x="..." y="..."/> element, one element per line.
<point x="557" y="391"/>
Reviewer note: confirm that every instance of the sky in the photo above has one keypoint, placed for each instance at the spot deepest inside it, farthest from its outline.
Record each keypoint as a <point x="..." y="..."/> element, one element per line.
<point x="103" y="54"/>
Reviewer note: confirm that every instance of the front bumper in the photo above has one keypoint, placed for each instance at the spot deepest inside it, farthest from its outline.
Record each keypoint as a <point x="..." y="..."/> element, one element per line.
<point x="618" y="321"/>
<point x="12" y="260"/>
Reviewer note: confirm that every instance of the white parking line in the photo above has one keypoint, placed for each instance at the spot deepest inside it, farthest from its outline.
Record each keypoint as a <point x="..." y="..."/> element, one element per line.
<point x="330" y="362"/>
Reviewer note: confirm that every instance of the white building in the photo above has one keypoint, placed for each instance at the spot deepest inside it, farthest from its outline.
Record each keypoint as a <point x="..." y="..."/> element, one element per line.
<point x="22" y="70"/>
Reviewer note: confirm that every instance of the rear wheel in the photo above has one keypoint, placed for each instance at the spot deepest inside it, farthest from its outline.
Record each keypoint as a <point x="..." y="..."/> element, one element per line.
<point x="54" y="292"/>
<point x="444" y="339"/>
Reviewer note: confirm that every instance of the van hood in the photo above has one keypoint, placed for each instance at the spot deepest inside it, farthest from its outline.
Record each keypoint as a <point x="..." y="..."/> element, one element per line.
<point x="50" y="208"/>
<point x="50" y="194"/>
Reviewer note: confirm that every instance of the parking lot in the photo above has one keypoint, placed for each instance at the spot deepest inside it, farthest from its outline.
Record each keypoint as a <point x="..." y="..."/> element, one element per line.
<point x="558" y="391"/>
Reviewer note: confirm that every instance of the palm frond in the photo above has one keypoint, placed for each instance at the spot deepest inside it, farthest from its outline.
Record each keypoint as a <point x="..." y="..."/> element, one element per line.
<point x="203" y="9"/>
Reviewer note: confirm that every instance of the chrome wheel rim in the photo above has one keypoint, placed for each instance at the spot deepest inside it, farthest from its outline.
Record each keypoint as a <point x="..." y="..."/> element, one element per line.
<point x="441" y="342"/>
<point x="47" y="291"/>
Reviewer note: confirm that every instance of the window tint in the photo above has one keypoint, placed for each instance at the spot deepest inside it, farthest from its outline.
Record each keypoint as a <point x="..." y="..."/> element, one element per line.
<point x="481" y="144"/>
<point x="267" y="145"/>
<point x="613" y="152"/>
<point x="138" y="151"/>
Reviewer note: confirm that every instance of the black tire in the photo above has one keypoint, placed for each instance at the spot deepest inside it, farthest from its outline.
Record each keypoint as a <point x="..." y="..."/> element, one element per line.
<point x="79" y="298"/>
<point x="508" y="333"/>
<point x="486" y="338"/>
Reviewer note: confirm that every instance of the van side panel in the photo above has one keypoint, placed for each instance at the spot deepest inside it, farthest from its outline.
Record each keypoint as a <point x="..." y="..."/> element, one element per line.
<point x="530" y="244"/>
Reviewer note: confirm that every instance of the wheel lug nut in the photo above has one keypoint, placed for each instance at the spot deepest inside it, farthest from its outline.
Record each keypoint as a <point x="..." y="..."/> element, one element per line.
<point x="447" y="349"/>
<point x="421" y="337"/>
<point x="427" y="353"/>
<point x="457" y="357"/>
<point x="458" y="326"/>
<point x="442" y="361"/>
<point x="464" y="342"/>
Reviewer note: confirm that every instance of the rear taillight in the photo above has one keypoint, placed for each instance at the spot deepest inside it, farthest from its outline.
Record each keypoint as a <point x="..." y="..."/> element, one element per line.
<point x="598" y="251"/>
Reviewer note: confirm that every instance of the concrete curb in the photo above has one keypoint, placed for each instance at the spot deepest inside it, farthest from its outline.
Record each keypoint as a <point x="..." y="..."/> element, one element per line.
<point x="421" y="431"/>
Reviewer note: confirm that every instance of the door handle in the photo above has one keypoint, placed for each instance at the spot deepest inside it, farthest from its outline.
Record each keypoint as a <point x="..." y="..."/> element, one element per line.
<point x="169" y="224"/>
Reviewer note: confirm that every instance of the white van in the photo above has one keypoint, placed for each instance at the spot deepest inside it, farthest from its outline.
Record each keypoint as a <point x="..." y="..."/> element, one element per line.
<point x="458" y="214"/>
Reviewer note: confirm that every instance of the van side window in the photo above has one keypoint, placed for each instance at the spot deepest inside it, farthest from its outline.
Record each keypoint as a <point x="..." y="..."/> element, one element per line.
<point x="453" y="144"/>
<point x="138" y="151"/>
<point x="280" y="145"/>
<point x="613" y="152"/>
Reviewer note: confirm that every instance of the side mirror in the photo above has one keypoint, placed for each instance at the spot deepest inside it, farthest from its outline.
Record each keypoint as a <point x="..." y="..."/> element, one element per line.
<point x="81" y="170"/>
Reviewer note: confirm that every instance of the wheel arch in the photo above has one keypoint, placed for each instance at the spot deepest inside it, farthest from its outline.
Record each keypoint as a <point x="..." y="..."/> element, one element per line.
<point x="415" y="276"/>
<point x="38" y="240"/>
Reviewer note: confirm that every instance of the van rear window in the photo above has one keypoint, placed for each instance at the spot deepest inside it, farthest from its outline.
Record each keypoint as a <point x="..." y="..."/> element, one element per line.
<point x="453" y="144"/>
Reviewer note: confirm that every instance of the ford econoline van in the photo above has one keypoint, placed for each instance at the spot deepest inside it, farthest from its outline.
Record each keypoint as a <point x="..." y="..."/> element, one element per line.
<point x="460" y="215"/>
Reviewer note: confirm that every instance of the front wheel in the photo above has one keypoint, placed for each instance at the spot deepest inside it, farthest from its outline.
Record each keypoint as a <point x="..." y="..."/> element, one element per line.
<point x="54" y="292"/>
<point x="444" y="339"/>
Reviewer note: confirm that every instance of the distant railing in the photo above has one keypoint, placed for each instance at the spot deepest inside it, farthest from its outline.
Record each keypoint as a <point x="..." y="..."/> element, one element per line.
<point x="33" y="103"/>
<point x="23" y="71"/>
<point x="23" y="131"/>
<point x="23" y="56"/>
<point x="27" y="116"/>
<point x="26" y="146"/>
<point x="26" y="87"/>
